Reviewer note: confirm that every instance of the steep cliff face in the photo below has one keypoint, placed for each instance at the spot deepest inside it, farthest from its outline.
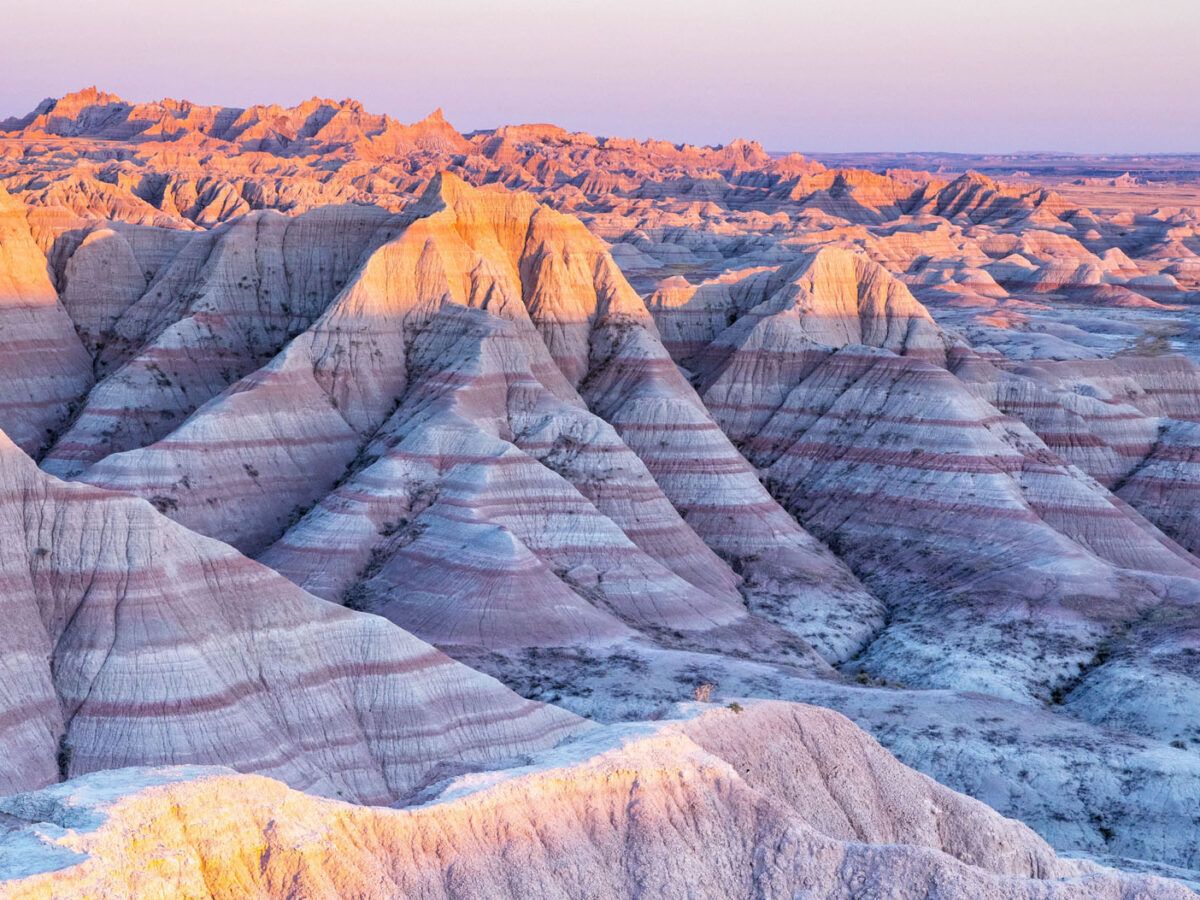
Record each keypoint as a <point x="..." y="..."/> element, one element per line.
<point x="777" y="801"/>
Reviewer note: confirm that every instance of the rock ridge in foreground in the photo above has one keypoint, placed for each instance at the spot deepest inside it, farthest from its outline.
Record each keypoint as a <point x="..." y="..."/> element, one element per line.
<point x="773" y="800"/>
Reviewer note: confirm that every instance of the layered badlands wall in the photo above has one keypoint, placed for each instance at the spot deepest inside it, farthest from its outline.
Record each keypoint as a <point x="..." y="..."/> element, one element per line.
<point x="451" y="408"/>
<point x="130" y="640"/>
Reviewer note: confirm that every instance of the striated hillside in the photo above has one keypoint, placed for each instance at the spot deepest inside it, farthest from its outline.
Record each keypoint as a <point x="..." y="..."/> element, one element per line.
<point x="362" y="456"/>
<point x="133" y="641"/>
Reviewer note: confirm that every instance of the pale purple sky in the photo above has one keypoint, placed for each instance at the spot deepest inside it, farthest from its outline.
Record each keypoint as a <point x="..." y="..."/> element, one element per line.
<point x="966" y="75"/>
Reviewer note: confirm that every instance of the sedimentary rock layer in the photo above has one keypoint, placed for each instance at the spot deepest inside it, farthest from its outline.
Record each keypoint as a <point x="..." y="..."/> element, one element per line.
<point x="42" y="362"/>
<point x="132" y="641"/>
<point x="935" y="430"/>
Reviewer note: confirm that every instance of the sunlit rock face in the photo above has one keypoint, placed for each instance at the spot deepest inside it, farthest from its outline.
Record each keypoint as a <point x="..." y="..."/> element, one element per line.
<point x="528" y="427"/>
<point x="44" y="365"/>
<point x="493" y="343"/>
<point x="775" y="800"/>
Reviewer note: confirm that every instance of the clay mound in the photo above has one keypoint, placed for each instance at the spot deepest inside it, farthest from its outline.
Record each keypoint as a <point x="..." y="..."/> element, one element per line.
<point x="975" y="198"/>
<point x="363" y="384"/>
<point x="843" y="298"/>
<point x="828" y="298"/>
<point x="778" y="800"/>
<point x="132" y="641"/>
<point x="892" y="462"/>
<point x="87" y="197"/>
<point x="468" y="423"/>
<point x="344" y="375"/>
<point x="450" y="490"/>
<point x="855" y="195"/>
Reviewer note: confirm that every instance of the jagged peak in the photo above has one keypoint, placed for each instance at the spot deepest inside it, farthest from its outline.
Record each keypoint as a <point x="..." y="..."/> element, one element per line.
<point x="830" y="257"/>
<point x="71" y="115"/>
<point x="447" y="190"/>
<point x="70" y="105"/>
<point x="531" y="131"/>
<point x="746" y="147"/>
<point x="89" y="95"/>
<point x="435" y="123"/>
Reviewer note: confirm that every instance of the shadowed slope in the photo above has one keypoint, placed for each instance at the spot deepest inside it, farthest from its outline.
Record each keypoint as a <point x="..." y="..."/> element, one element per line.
<point x="130" y="640"/>
<point x="228" y="302"/>
<point x="559" y="313"/>
<point x="829" y="376"/>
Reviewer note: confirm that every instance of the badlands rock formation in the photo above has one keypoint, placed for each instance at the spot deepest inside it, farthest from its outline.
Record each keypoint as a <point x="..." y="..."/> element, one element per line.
<point x="45" y="365"/>
<point x="775" y="801"/>
<point x="618" y="424"/>
<point x="221" y="307"/>
<point x="131" y="640"/>
<point x="450" y="364"/>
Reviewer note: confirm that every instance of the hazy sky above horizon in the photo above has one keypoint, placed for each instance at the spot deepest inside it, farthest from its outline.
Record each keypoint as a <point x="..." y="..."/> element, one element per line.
<point x="1074" y="75"/>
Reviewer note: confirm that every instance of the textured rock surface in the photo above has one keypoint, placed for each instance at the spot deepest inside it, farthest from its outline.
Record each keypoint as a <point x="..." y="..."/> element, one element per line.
<point x="132" y="641"/>
<point x="776" y="801"/>
<point x="933" y="434"/>
<point x="445" y="369"/>
<point x="227" y="302"/>
<point x="42" y="361"/>
<point x="836" y="420"/>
